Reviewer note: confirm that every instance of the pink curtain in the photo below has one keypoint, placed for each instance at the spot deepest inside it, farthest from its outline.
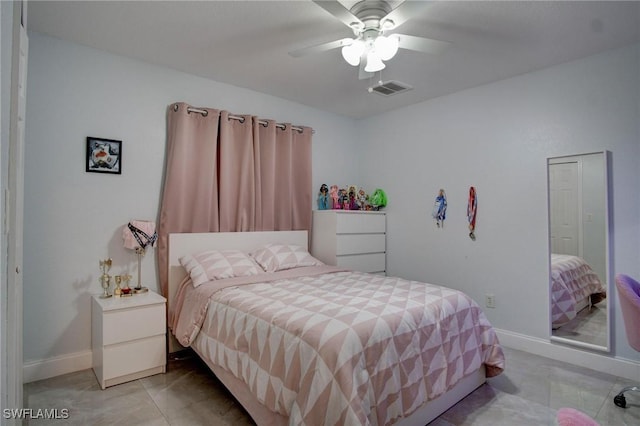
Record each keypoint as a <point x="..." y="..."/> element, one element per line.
<point x="227" y="174"/>
<point x="237" y="174"/>
<point x="302" y="204"/>
<point x="284" y="196"/>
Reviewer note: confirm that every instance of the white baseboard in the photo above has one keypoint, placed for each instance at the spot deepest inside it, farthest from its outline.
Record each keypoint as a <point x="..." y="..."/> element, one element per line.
<point x="616" y="366"/>
<point x="51" y="367"/>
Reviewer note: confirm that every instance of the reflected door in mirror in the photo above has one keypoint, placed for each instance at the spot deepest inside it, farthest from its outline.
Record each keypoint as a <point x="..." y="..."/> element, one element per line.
<point x="578" y="240"/>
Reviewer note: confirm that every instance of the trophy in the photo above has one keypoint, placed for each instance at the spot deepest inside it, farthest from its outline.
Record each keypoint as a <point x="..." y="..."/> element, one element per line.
<point x="105" y="278"/>
<point x="117" y="292"/>
<point x="126" y="290"/>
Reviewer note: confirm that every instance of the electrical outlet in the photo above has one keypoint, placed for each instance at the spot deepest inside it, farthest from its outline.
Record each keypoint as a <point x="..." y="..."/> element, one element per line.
<point x="490" y="300"/>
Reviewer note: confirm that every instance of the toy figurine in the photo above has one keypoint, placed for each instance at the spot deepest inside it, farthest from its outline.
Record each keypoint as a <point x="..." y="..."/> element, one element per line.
<point x="344" y="199"/>
<point x="323" y="197"/>
<point x="378" y="199"/>
<point x="362" y="199"/>
<point x="334" y="196"/>
<point x="353" y="203"/>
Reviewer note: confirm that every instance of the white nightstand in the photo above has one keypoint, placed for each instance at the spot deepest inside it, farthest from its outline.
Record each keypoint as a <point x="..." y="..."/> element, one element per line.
<point x="128" y="337"/>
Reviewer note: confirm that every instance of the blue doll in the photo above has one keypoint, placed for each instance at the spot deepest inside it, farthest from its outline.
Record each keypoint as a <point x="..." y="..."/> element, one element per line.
<point x="323" y="197"/>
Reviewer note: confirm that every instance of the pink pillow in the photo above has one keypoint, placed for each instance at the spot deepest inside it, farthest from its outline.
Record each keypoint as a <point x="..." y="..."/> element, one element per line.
<point x="277" y="257"/>
<point x="218" y="264"/>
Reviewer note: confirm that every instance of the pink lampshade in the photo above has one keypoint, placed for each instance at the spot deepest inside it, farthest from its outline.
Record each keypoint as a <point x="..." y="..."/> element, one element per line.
<point x="144" y="230"/>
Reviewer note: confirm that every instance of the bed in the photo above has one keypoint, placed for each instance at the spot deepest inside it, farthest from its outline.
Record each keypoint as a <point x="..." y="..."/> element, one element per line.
<point x="574" y="286"/>
<point x="340" y="359"/>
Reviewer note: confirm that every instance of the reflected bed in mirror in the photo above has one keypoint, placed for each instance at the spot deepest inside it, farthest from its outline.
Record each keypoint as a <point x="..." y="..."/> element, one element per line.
<point x="579" y="250"/>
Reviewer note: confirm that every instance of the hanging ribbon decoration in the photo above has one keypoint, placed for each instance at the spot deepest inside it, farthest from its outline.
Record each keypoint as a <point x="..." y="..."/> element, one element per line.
<point x="440" y="209"/>
<point x="472" y="208"/>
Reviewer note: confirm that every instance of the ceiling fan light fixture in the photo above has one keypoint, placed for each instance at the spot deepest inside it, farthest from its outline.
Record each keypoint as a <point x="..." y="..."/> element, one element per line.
<point x="387" y="24"/>
<point x="386" y="47"/>
<point x="374" y="63"/>
<point x="352" y="52"/>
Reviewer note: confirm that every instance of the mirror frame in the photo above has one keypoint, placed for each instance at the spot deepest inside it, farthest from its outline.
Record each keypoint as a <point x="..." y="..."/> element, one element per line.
<point x="606" y="158"/>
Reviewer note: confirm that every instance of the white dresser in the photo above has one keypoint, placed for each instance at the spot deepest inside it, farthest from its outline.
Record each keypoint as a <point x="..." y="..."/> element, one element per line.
<point x="352" y="239"/>
<point x="128" y="337"/>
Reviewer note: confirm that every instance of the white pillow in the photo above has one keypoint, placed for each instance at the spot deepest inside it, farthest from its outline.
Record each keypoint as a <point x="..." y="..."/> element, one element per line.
<point x="277" y="257"/>
<point x="218" y="264"/>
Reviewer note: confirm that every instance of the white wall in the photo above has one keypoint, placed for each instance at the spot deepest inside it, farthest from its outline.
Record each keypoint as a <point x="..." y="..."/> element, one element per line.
<point x="74" y="218"/>
<point x="497" y="138"/>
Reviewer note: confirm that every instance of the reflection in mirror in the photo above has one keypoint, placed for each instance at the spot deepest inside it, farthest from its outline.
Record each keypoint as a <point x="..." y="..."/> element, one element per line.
<point x="579" y="244"/>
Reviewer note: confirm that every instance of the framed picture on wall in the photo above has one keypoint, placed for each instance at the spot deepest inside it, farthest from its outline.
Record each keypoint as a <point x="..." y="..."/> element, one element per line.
<point x="104" y="155"/>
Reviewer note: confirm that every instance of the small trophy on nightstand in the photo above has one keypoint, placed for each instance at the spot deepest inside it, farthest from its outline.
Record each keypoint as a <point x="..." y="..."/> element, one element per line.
<point x="117" y="292"/>
<point x="105" y="278"/>
<point x="126" y="290"/>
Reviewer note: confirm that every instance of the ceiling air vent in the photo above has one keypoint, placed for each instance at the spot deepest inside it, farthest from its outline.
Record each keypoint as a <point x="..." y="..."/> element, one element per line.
<point x="389" y="88"/>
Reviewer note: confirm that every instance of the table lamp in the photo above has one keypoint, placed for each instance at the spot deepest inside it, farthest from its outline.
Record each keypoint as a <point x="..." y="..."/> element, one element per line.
<point x="138" y="235"/>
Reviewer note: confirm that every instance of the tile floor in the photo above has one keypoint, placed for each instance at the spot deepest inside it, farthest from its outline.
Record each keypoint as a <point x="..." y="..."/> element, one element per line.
<point x="529" y="392"/>
<point x="589" y="326"/>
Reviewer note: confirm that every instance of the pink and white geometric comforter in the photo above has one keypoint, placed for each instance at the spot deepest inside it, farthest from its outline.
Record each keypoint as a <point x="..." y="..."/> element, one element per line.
<point x="572" y="280"/>
<point x="342" y="347"/>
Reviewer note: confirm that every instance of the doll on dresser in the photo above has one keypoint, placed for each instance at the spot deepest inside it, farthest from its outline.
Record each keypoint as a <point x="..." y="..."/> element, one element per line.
<point x="334" y="197"/>
<point x="323" y="197"/>
<point x="353" y="200"/>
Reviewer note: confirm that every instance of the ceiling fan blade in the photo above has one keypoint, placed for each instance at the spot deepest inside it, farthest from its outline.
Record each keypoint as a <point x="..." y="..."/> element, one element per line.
<point x="407" y="9"/>
<point x="421" y="44"/>
<point x="339" y="11"/>
<point x="321" y="47"/>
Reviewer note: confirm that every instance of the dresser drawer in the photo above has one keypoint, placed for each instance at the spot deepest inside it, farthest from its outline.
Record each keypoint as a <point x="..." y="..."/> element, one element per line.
<point x="360" y="243"/>
<point x="374" y="262"/>
<point x="130" y="324"/>
<point x="363" y="223"/>
<point x="127" y="358"/>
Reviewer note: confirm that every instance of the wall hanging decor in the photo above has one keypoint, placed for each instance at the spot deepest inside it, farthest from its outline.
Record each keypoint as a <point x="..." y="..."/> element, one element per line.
<point x="472" y="208"/>
<point x="104" y="156"/>
<point x="440" y="208"/>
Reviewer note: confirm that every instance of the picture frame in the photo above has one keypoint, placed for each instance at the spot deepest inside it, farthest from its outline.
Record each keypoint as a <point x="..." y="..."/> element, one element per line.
<point x="104" y="155"/>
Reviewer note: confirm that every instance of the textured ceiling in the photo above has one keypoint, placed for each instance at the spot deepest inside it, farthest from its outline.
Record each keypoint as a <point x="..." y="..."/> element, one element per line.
<point x="246" y="43"/>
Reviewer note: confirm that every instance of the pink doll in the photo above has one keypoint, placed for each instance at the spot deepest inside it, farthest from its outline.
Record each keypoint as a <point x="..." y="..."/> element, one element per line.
<point x="333" y="195"/>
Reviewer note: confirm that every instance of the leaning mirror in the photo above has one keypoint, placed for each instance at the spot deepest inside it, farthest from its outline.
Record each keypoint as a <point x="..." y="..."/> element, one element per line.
<point x="579" y="250"/>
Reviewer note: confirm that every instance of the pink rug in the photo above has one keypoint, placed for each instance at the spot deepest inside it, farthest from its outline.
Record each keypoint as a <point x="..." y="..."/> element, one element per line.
<point x="572" y="417"/>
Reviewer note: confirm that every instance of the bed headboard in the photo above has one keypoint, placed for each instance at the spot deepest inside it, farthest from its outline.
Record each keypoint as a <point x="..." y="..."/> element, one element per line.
<point x="189" y="243"/>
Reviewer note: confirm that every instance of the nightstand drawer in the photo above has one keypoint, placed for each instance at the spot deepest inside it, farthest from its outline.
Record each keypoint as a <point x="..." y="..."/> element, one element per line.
<point x="134" y="323"/>
<point x="352" y="223"/>
<point x="126" y="358"/>
<point x="364" y="262"/>
<point x="360" y="243"/>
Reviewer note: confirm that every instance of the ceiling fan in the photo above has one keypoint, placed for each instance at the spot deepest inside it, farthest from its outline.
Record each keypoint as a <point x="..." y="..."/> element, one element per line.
<point x="370" y="20"/>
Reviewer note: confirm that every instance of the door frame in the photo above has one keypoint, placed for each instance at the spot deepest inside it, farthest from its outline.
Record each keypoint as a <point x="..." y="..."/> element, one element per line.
<point x="12" y="355"/>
